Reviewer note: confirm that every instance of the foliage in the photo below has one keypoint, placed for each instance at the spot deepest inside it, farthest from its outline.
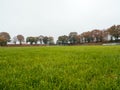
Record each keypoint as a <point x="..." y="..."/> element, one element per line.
<point x="36" y="39"/>
<point x="51" y="40"/>
<point x="3" y="41"/>
<point x="114" y="31"/>
<point x="30" y="39"/>
<point x="45" y="40"/>
<point x="20" y="38"/>
<point x="85" y="37"/>
<point x="4" y="38"/>
<point x="62" y="40"/>
<point x="97" y="35"/>
<point x="73" y="37"/>
<point x="92" y="36"/>
<point x="60" y="68"/>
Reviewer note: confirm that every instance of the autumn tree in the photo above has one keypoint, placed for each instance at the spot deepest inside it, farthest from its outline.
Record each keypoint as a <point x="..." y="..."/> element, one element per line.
<point x="114" y="31"/>
<point x="96" y="35"/>
<point x="20" y="38"/>
<point x="2" y="41"/>
<point x="5" y="37"/>
<point x="87" y="37"/>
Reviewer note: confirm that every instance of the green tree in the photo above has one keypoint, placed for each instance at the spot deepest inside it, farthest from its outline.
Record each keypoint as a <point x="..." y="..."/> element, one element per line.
<point x="30" y="39"/>
<point x="45" y="40"/>
<point x="36" y="39"/>
<point x="63" y="40"/>
<point x="50" y="40"/>
<point x="73" y="37"/>
<point x="41" y="39"/>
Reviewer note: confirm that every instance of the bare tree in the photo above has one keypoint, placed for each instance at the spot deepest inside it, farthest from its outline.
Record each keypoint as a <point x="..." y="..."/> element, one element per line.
<point x="15" y="39"/>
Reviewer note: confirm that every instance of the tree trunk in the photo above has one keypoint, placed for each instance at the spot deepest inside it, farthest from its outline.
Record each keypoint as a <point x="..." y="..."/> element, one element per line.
<point x="20" y="42"/>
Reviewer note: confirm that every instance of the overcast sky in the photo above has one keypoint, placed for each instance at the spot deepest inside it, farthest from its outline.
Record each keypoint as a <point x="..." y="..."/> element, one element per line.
<point x="57" y="17"/>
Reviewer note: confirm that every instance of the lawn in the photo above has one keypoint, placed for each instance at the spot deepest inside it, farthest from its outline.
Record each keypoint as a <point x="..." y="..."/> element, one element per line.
<point x="60" y="68"/>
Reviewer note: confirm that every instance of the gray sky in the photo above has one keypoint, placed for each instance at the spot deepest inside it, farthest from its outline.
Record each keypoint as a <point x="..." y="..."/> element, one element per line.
<point x="57" y="17"/>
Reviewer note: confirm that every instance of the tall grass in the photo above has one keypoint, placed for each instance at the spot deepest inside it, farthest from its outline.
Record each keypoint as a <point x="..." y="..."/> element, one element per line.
<point x="60" y="68"/>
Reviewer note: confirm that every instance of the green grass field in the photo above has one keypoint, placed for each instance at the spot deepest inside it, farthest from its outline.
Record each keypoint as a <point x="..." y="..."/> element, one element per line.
<point x="60" y="68"/>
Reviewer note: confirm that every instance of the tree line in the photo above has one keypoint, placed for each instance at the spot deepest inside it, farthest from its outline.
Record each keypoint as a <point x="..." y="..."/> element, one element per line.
<point x="93" y="36"/>
<point x="5" y="38"/>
